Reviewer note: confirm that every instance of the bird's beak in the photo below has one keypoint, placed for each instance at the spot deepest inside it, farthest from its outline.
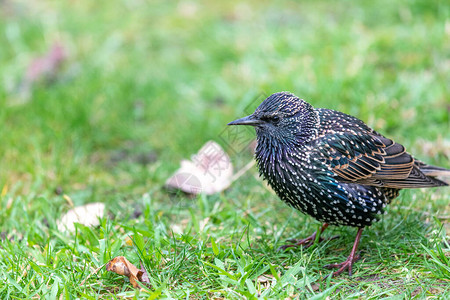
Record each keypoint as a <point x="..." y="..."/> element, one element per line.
<point x="248" y="120"/>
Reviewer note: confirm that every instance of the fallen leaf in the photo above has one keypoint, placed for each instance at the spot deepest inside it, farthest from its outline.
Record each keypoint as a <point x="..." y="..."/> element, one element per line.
<point x="315" y="287"/>
<point x="87" y="215"/>
<point x="144" y="276"/>
<point x="120" y="265"/>
<point x="265" y="281"/>
<point x="175" y="228"/>
<point x="209" y="171"/>
<point x="265" y="278"/>
<point x="45" y="68"/>
<point x="46" y="65"/>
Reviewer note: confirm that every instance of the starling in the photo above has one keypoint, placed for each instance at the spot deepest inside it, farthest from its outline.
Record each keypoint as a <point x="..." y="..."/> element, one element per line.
<point x="331" y="165"/>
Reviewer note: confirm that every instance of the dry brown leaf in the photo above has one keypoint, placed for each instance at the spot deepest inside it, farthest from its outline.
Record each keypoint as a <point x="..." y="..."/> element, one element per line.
<point x="120" y="265"/>
<point x="209" y="171"/>
<point x="315" y="287"/>
<point x="45" y="68"/>
<point x="144" y="276"/>
<point x="87" y="215"/>
<point x="46" y="65"/>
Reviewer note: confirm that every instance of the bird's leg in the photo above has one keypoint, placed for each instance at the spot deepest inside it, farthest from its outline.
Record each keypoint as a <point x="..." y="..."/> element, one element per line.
<point x="348" y="263"/>
<point x="308" y="242"/>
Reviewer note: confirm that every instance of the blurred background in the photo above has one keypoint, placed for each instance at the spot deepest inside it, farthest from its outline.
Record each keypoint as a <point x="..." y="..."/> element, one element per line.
<point x="101" y="100"/>
<point x="100" y="94"/>
<point x="85" y="82"/>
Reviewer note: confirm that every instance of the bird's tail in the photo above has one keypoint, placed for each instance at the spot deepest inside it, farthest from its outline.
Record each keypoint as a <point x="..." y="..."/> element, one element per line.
<point x="433" y="171"/>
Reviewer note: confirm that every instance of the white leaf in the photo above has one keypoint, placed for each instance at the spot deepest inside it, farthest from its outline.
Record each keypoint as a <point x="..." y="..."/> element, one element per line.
<point x="209" y="171"/>
<point x="87" y="215"/>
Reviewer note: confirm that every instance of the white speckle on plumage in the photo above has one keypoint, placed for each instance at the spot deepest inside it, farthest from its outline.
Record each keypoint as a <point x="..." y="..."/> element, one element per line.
<point x="301" y="152"/>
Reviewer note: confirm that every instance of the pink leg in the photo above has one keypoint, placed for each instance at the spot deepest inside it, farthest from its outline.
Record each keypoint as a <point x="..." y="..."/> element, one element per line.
<point x="308" y="242"/>
<point x="347" y="264"/>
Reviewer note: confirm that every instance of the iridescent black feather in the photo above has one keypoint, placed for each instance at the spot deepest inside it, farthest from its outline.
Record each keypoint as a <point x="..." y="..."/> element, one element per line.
<point x="331" y="165"/>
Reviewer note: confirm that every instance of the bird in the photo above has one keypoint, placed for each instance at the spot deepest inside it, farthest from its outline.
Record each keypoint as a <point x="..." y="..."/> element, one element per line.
<point x="332" y="166"/>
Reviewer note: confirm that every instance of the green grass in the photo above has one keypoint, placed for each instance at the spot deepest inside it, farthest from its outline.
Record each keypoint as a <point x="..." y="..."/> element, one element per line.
<point x="158" y="79"/>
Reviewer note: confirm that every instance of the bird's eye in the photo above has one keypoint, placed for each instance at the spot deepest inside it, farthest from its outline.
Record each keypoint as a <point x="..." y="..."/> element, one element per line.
<point x="271" y="119"/>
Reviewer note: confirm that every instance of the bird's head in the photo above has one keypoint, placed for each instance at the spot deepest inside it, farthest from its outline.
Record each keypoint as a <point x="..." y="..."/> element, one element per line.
<point x="283" y="117"/>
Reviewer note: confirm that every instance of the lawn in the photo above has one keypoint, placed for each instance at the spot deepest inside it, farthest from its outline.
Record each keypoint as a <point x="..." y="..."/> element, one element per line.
<point x="144" y="84"/>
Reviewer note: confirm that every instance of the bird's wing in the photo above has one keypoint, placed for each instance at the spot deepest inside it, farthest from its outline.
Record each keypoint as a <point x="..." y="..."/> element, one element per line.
<point x="372" y="160"/>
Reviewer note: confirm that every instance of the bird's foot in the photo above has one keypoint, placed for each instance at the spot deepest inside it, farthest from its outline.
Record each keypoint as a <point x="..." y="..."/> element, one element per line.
<point x="346" y="265"/>
<point x="307" y="242"/>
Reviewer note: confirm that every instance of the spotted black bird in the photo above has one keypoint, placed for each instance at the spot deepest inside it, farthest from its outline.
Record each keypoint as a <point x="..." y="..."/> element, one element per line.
<point x="331" y="165"/>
